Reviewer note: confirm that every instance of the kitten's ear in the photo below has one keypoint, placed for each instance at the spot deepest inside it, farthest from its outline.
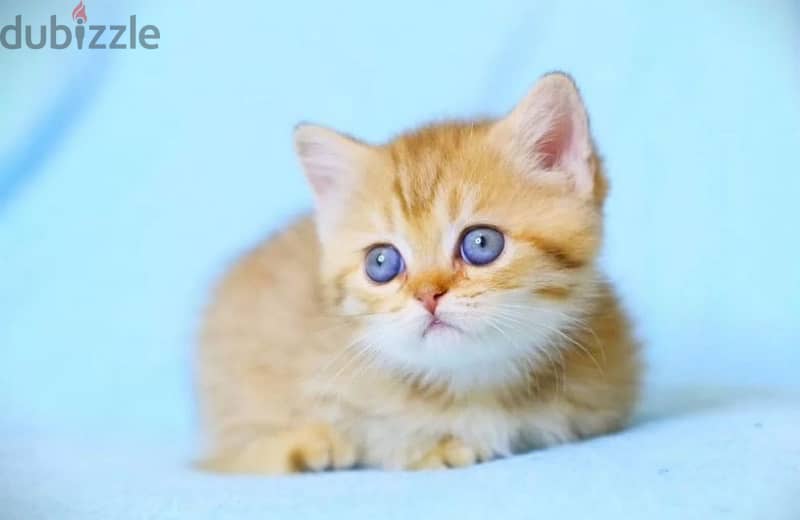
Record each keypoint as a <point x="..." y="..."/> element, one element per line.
<point x="547" y="135"/>
<point x="331" y="162"/>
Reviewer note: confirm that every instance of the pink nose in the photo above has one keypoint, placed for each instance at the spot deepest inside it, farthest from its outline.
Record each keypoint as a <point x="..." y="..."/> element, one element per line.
<point x="430" y="298"/>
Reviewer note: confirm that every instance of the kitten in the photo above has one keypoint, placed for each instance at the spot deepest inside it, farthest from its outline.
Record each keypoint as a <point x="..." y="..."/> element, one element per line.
<point x="443" y="308"/>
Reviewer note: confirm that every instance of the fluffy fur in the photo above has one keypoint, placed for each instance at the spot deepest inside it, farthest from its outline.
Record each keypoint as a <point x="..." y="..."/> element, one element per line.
<point x="306" y="364"/>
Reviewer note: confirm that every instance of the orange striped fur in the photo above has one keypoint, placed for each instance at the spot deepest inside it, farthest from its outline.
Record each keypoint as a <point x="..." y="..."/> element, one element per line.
<point x="306" y="364"/>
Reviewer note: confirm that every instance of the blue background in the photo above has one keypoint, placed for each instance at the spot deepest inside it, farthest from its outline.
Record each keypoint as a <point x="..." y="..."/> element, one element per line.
<point x="130" y="179"/>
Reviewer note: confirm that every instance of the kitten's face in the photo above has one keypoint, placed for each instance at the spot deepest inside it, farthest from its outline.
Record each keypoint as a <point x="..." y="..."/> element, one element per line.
<point x="459" y="255"/>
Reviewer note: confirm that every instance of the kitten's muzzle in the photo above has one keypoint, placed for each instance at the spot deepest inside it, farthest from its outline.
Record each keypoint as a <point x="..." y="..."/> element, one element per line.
<point x="429" y="297"/>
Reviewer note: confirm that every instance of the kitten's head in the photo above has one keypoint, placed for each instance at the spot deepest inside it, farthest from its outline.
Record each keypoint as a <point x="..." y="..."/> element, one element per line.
<point x="462" y="250"/>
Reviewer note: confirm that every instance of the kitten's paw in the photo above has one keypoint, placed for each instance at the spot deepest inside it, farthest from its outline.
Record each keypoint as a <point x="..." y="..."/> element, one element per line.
<point x="448" y="453"/>
<point x="312" y="448"/>
<point x="318" y="448"/>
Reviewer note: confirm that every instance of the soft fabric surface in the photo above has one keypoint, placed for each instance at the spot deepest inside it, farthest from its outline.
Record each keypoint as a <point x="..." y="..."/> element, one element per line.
<point x="129" y="179"/>
<point x="729" y="457"/>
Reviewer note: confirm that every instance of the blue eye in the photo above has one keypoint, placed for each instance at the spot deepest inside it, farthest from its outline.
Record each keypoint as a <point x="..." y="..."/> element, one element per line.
<point x="481" y="245"/>
<point x="383" y="263"/>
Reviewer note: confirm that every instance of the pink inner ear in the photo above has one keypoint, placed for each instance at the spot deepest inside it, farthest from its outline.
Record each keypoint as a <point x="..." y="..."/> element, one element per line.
<point x="554" y="144"/>
<point x="321" y="183"/>
<point x="323" y="161"/>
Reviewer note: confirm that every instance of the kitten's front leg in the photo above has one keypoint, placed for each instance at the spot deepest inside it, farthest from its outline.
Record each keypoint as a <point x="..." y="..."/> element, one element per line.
<point x="311" y="448"/>
<point x="449" y="452"/>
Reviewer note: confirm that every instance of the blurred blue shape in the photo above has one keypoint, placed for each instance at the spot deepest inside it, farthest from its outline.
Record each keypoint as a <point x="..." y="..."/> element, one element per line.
<point x="29" y="152"/>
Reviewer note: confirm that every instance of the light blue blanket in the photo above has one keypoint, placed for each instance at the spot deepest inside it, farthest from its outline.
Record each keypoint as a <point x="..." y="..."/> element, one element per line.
<point x="128" y="179"/>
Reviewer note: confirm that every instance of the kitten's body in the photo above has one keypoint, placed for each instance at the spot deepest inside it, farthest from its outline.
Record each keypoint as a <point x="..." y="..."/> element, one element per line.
<point x="305" y="364"/>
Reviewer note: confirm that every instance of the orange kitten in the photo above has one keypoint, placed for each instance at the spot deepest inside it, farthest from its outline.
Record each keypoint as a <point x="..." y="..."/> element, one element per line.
<point x="443" y="308"/>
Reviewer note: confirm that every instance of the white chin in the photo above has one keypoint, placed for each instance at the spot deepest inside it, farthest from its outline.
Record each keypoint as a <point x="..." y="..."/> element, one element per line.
<point x="447" y="354"/>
